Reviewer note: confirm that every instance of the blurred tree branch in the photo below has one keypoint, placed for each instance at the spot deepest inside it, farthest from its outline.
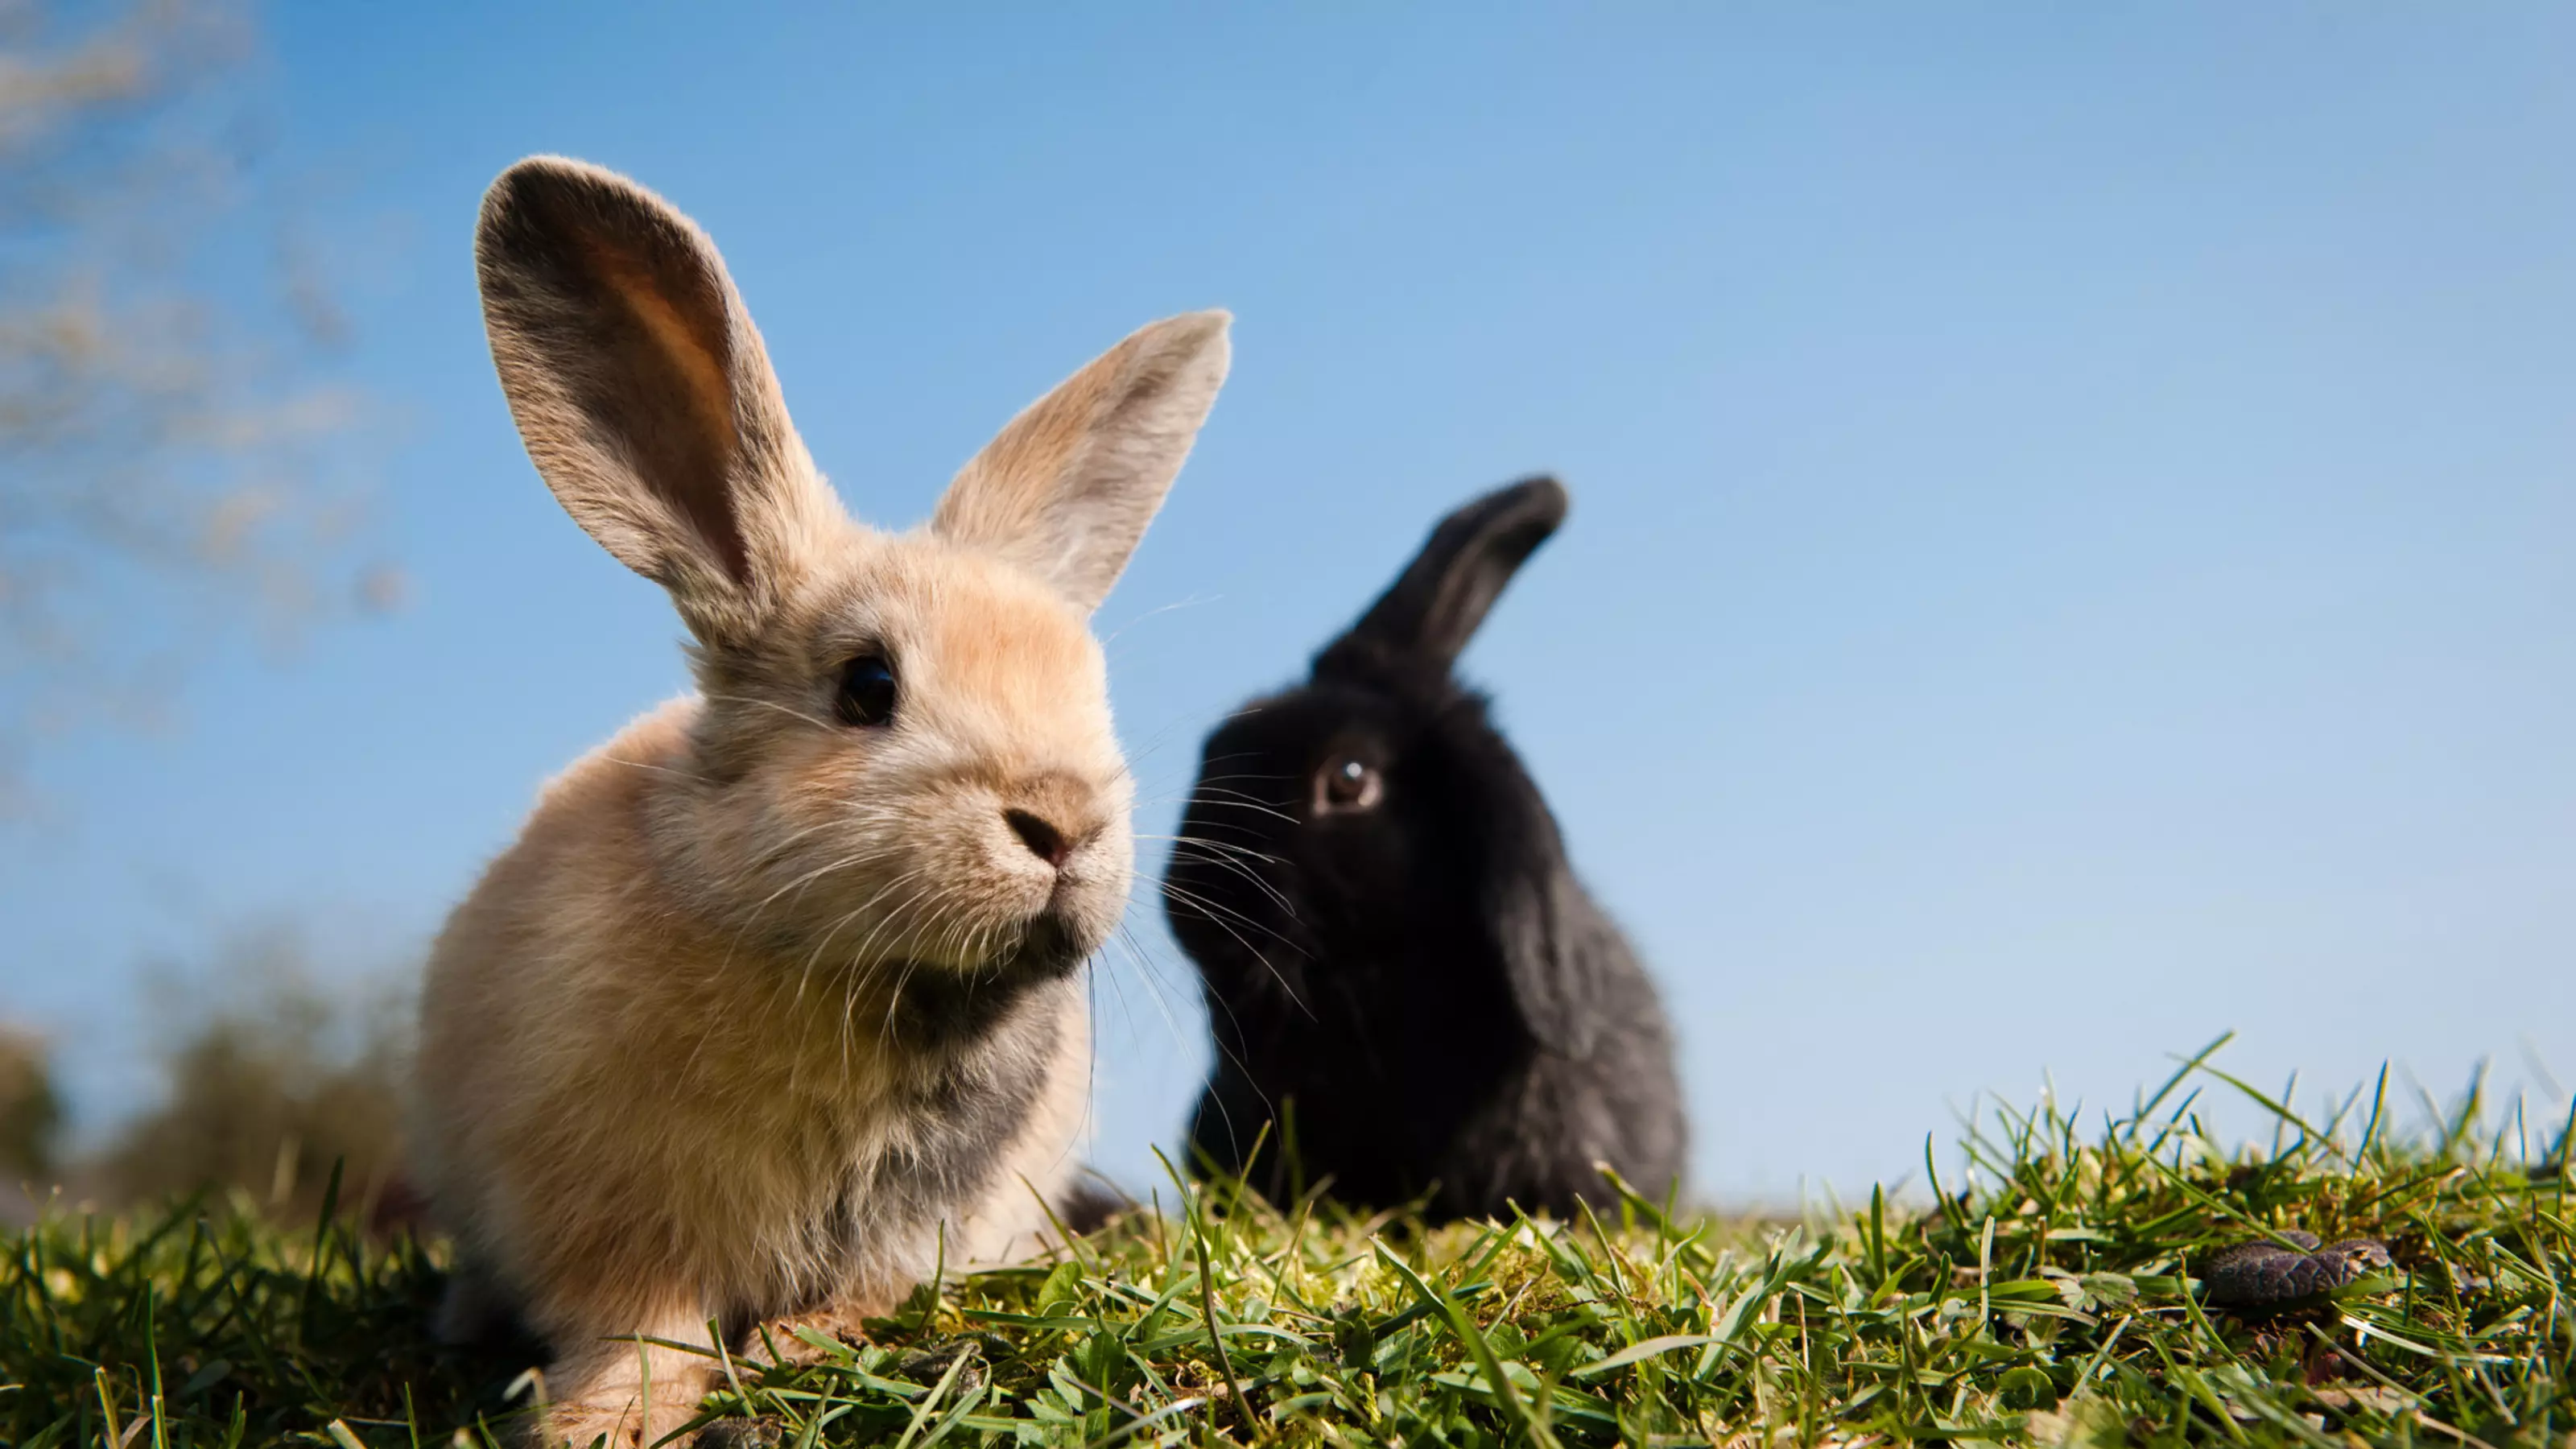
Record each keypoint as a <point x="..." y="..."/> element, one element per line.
<point x="31" y="1111"/>
<point x="275" y="1071"/>
<point x="172" y="456"/>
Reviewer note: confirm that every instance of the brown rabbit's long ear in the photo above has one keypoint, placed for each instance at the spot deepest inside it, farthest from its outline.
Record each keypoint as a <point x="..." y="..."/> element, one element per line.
<point x="1430" y="612"/>
<point x="643" y="392"/>
<point x="1066" y="489"/>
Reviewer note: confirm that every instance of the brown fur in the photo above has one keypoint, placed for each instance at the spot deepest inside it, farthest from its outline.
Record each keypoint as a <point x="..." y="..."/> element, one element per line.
<point x="764" y="1012"/>
<point x="1148" y="380"/>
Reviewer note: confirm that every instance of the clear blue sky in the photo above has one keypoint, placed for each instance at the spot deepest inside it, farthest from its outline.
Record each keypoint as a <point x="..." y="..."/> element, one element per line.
<point x="2074" y="543"/>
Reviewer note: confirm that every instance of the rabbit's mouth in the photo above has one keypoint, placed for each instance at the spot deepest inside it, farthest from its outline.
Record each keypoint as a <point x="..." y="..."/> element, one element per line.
<point x="944" y="1005"/>
<point x="1048" y="947"/>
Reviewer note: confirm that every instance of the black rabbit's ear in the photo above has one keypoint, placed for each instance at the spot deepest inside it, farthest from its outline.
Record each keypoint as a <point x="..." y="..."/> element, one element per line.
<point x="1431" y="611"/>
<point x="1543" y="927"/>
<point x="1551" y="939"/>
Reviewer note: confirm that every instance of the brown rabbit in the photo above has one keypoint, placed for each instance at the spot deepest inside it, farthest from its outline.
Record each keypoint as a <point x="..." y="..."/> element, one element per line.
<point x="776" y="997"/>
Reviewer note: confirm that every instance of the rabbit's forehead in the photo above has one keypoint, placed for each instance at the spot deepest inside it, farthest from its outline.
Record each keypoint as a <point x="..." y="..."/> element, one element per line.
<point x="1310" y="724"/>
<point x="1006" y="644"/>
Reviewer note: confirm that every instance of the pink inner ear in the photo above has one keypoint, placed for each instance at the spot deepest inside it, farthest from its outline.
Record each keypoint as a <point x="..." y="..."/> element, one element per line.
<point x="1067" y="487"/>
<point x="668" y="379"/>
<point x="1000" y="499"/>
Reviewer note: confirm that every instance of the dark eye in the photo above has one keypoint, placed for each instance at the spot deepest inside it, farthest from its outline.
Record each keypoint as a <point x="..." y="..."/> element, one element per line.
<point x="1346" y="784"/>
<point x="867" y="691"/>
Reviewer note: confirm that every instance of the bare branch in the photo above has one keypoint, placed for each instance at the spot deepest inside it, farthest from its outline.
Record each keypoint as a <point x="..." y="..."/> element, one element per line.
<point x="173" y="458"/>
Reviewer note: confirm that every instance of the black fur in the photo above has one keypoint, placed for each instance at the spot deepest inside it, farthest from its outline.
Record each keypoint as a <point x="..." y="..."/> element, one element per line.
<point x="1418" y="994"/>
<point x="1089" y="1202"/>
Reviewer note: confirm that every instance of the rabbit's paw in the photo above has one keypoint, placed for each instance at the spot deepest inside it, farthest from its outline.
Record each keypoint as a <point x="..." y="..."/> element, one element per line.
<point x="761" y="1433"/>
<point x="791" y="1342"/>
<point x="635" y="1423"/>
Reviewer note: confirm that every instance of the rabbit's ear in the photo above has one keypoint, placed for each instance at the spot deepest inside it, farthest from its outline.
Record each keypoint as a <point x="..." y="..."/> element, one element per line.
<point x="1545" y="927"/>
<point x="1068" y="486"/>
<point x="1431" y="611"/>
<point x="643" y="392"/>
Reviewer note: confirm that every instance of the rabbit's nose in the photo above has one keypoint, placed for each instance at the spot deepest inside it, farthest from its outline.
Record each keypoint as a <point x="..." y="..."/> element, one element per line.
<point x="1043" y="840"/>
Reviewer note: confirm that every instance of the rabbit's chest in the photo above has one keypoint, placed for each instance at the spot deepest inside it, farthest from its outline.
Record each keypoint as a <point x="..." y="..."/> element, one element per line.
<point x="929" y="1143"/>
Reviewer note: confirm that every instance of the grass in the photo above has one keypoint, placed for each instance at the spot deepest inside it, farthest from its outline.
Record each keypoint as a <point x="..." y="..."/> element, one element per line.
<point x="2048" y="1300"/>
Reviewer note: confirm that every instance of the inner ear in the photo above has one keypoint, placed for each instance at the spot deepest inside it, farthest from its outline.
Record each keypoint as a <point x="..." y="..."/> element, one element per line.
<point x="1068" y="486"/>
<point x="673" y="407"/>
<point x="642" y="392"/>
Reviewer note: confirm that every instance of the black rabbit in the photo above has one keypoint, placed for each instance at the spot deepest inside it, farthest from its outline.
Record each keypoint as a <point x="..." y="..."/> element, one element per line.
<point x="1399" y="964"/>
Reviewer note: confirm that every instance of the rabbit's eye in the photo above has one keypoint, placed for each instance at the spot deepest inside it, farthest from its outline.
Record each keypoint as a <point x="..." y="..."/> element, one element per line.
<point x="867" y="691"/>
<point x="1346" y="784"/>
